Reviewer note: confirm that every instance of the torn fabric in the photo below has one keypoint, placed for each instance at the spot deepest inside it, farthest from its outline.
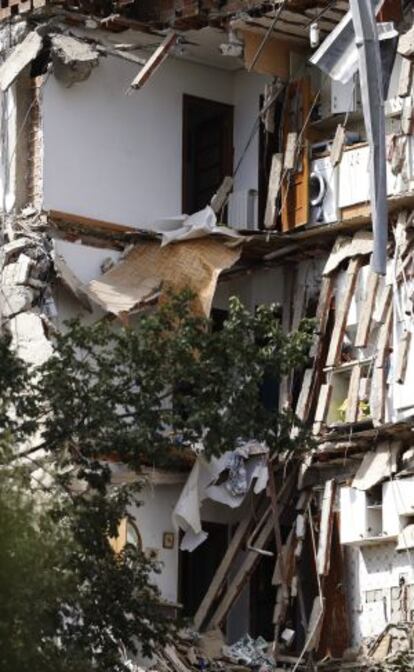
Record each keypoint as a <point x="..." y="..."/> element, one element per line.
<point x="245" y="465"/>
<point x="149" y="268"/>
<point x="200" y="224"/>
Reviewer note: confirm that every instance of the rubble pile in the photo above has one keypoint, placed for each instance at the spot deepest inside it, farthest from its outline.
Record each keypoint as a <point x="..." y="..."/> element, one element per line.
<point x="26" y="303"/>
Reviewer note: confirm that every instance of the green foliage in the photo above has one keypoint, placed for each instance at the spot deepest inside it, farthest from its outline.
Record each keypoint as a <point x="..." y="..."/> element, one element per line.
<point x="141" y="395"/>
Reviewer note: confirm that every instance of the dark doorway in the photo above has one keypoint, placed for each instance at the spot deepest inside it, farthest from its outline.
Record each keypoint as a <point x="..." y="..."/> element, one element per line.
<point x="262" y="598"/>
<point x="197" y="569"/>
<point x="207" y="150"/>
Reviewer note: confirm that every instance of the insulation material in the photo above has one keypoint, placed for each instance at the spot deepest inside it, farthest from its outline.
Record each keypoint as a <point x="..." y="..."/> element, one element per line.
<point x="149" y="268"/>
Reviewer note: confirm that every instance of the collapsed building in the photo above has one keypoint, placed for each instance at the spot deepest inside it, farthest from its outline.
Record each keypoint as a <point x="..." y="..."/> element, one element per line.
<point x="284" y="131"/>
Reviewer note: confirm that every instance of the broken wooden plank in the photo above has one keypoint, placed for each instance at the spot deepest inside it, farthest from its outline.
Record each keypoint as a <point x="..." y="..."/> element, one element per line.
<point x="315" y="624"/>
<point x="323" y="403"/>
<point x="338" y="145"/>
<point x="276" y="517"/>
<point x="20" y="57"/>
<point x="364" y="323"/>
<point x="219" y="199"/>
<point x="222" y="571"/>
<point x="351" y="414"/>
<point x="154" y="62"/>
<point x="380" y="314"/>
<point x="383" y="346"/>
<point x="322" y="313"/>
<point x="402" y="357"/>
<point x="323" y="558"/>
<point x="289" y="161"/>
<point x="342" y="312"/>
<point x="272" y="191"/>
<point x="303" y="405"/>
<point x="171" y="654"/>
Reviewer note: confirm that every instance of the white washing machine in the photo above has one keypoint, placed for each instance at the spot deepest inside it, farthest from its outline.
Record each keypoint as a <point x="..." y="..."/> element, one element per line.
<point x="323" y="192"/>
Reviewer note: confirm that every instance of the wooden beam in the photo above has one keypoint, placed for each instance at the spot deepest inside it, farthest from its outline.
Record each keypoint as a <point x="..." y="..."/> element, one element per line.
<point x="154" y="62"/>
<point x="323" y="558"/>
<point x="381" y="314"/>
<point x="384" y="339"/>
<point x="88" y="222"/>
<point x="222" y="571"/>
<point x="342" y="312"/>
<point x="303" y="405"/>
<point x="245" y="570"/>
<point x="364" y="323"/>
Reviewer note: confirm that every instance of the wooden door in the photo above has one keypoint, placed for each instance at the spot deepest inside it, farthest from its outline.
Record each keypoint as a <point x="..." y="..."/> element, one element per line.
<point x="207" y="150"/>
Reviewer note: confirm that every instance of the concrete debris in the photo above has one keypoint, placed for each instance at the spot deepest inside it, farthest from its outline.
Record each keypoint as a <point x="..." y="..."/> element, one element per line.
<point x="29" y="339"/>
<point x="14" y="300"/>
<point x="73" y="60"/>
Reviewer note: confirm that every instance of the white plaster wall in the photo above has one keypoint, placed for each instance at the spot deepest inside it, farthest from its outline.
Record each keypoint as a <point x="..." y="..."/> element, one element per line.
<point x="153" y="518"/>
<point x="118" y="157"/>
<point x="248" y="88"/>
<point x="263" y="286"/>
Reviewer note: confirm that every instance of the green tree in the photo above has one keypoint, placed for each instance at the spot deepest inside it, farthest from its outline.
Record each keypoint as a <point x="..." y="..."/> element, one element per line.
<point x="142" y="395"/>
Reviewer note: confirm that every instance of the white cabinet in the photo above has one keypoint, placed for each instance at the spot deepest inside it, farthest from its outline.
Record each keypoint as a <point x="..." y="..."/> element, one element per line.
<point x="365" y="521"/>
<point x="354" y="171"/>
<point x="353" y="515"/>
